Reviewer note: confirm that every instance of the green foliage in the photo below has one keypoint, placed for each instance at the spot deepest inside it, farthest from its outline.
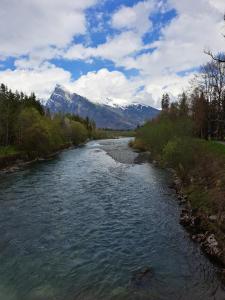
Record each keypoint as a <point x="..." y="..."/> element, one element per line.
<point x="8" y="151"/>
<point x="11" y="104"/>
<point x="183" y="105"/>
<point x="88" y="124"/>
<point x="216" y="148"/>
<point x="181" y="154"/>
<point x="199" y="199"/>
<point x="79" y="133"/>
<point x="37" y="134"/>
<point x="157" y="133"/>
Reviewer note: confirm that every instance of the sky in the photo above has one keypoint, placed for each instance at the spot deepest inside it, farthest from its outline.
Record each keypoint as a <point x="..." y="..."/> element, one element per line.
<point x="110" y="51"/>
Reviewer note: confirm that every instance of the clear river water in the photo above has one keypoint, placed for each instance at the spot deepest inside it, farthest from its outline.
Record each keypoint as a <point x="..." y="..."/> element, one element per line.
<point x="82" y="225"/>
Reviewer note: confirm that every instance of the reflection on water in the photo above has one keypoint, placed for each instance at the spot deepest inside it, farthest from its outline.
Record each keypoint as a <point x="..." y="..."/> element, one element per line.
<point x="79" y="226"/>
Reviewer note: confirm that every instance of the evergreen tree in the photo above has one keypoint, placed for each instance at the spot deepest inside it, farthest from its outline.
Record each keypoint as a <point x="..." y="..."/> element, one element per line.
<point x="183" y="105"/>
<point x="165" y="103"/>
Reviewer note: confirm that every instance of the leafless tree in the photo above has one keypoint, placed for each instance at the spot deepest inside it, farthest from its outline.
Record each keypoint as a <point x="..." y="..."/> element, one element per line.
<point x="219" y="58"/>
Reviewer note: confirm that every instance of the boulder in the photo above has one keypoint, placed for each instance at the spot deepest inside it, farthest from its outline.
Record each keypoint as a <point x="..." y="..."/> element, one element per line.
<point x="185" y="218"/>
<point x="200" y="237"/>
<point x="211" y="247"/>
<point x="212" y="218"/>
<point x="142" y="278"/>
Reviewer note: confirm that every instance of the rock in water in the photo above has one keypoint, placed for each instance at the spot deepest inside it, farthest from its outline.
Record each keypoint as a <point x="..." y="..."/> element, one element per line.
<point x="142" y="278"/>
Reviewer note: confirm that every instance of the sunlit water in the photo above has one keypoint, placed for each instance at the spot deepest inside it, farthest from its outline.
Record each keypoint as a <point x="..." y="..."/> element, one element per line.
<point x="79" y="226"/>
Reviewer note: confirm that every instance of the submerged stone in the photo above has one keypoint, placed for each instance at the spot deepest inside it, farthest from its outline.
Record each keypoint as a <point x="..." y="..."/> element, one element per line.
<point x="142" y="278"/>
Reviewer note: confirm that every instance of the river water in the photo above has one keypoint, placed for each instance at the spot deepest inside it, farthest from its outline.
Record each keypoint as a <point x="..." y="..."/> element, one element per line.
<point x="80" y="226"/>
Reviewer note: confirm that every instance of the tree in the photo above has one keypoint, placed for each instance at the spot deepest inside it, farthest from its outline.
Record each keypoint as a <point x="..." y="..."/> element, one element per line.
<point x="199" y="108"/>
<point x="183" y="105"/>
<point x="33" y="133"/>
<point x="174" y="110"/>
<point x="79" y="133"/>
<point x="211" y="81"/>
<point x="218" y="58"/>
<point x="165" y="103"/>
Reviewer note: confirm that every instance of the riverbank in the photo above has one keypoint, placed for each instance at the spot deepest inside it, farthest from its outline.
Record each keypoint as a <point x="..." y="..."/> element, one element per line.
<point x="17" y="159"/>
<point x="197" y="168"/>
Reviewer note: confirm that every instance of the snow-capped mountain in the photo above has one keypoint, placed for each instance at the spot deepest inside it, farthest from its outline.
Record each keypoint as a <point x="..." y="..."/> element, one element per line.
<point x="105" y="116"/>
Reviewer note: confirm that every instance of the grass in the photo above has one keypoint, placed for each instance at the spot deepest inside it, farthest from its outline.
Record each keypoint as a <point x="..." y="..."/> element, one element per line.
<point x="8" y="151"/>
<point x="199" y="198"/>
<point x="216" y="148"/>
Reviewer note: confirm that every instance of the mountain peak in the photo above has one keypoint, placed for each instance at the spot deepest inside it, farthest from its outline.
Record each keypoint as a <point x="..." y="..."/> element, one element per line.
<point x="61" y="92"/>
<point x="105" y="115"/>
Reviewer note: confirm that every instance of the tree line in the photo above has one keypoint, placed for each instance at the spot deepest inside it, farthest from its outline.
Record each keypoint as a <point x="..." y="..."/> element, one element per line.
<point x="27" y="126"/>
<point x="204" y="102"/>
<point x="184" y="137"/>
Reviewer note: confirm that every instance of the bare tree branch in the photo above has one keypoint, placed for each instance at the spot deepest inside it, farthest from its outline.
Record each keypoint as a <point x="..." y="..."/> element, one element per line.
<point x="218" y="59"/>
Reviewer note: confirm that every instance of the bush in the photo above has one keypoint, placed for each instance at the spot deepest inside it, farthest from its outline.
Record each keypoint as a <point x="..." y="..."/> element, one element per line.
<point x="181" y="155"/>
<point x="36" y="141"/>
<point x="79" y="133"/>
<point x="157" y="133"/>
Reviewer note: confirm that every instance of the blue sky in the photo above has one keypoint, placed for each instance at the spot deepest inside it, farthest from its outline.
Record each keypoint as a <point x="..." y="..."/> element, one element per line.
<point x="123" y="50"/>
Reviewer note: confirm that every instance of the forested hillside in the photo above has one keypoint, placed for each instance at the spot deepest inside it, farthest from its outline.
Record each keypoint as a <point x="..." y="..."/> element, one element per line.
<point x="26" y="127"/>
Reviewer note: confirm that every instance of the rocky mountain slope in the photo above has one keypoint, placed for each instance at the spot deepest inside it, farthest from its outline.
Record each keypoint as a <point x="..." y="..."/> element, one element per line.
<point x="105" y="116"/>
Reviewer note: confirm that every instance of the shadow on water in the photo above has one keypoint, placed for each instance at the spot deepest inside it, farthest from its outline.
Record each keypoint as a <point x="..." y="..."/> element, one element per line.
<point x="93" y="225"/>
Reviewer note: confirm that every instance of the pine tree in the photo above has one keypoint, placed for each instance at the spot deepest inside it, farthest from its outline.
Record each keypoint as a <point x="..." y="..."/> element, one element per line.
<point x="165" y="103"/>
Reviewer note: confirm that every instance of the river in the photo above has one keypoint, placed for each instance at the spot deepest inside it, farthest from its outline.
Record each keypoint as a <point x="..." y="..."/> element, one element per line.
<point x="81" y="225"/>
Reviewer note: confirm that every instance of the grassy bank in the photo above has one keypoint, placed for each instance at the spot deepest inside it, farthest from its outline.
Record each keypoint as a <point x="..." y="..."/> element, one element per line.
<point x="200" y="176"/>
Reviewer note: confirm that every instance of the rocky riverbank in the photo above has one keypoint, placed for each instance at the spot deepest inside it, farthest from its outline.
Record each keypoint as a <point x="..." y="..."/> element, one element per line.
<point x="203" y="228"/>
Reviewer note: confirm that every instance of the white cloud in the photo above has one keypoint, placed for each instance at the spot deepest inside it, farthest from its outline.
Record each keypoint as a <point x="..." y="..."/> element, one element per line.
<point x="134" y="22"/>
<point x="197" y="27"/>
<point x="29" y="24"/>
<point x="115" y="48"/>
<point x="172" y="84"/>
<point x="37" y="57"/>
<point x="218" y="4"/>
<point x="102" y="85"/>
<point x="41" y="80"/>
<point x="134" y="18"/>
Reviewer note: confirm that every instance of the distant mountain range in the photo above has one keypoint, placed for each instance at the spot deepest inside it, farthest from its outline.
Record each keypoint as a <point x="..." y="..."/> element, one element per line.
<point x="105" y="116"/>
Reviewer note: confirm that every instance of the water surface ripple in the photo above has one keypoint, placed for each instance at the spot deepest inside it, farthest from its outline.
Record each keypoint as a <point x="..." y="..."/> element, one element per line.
<point x="77" y="227"/>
